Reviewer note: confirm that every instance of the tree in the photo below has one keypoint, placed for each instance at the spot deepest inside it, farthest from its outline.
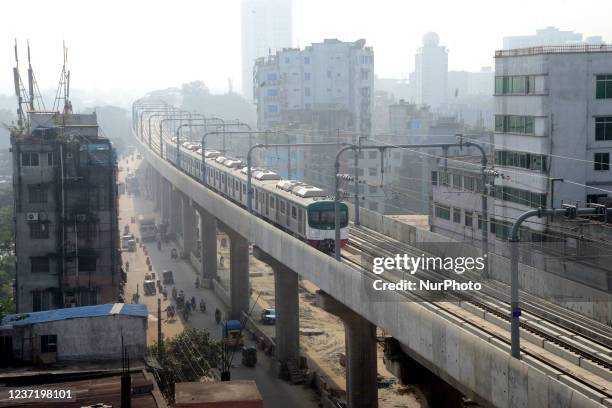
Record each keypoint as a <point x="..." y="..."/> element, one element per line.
<point x="190" y="355"/>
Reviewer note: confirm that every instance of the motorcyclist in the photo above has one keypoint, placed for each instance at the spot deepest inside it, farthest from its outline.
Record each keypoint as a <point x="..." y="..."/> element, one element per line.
<point x="127" y="266"/>
<point x="202" y="305"/>
<point x="193" y="302"/>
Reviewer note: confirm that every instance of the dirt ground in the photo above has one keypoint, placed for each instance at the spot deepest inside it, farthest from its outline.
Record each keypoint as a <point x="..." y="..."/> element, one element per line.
<point x="322" y="334"/>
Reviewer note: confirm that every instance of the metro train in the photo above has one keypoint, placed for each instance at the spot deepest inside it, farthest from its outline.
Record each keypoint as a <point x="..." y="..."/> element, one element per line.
<point x="297" y="208"/>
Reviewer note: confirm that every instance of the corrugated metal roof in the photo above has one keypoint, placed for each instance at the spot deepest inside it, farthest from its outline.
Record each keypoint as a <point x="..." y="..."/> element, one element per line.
<point x="24" y="319"/>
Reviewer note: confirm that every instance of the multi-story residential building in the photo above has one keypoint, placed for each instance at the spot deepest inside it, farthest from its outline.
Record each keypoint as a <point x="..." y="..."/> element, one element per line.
<point x="324" y="92"/>
<point x="66" y="232"/>
<point x="553" y="120"/>
<point x="548" y="36"/>
<point x="431" y="72"/>
<point x="266" y="28"/>
<point x="332" y="76"/>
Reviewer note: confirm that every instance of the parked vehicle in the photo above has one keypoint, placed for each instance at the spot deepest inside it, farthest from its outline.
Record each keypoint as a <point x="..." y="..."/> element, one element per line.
<point x="268" y="316"/>
<point x="149" y="287"/>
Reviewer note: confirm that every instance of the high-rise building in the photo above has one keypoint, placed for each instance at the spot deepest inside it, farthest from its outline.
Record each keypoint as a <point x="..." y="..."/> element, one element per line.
<point x="266" y="28"/>
<point x="553" y="120"/>
<point x="66" y="232"/>
<point x="431" y="72"/>
<point x="548" y="36"/>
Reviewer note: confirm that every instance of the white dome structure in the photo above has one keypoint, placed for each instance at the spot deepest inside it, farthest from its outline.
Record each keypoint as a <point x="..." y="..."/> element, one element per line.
<point x="431" y="39"/>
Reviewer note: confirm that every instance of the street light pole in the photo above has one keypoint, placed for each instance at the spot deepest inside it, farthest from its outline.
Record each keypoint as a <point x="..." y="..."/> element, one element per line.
<point x="515" y="311"/>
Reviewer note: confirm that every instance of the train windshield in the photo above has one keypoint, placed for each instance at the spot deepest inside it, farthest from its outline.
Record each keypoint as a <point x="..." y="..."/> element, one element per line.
<point x="324" y="219"/>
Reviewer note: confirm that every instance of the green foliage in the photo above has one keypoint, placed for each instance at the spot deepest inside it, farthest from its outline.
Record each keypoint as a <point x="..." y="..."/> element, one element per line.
<point x="190" y="355"/>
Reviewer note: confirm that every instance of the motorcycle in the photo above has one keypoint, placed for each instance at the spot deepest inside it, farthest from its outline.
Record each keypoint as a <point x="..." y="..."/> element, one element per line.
<point x="174" y="254"/>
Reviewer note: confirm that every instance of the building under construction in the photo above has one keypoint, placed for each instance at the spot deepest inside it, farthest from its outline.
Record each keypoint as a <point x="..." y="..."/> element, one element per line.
<point x="64" y="181"/>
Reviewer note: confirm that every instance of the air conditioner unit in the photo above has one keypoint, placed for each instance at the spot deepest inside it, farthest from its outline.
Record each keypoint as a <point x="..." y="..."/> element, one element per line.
<point x="32" y="216"/>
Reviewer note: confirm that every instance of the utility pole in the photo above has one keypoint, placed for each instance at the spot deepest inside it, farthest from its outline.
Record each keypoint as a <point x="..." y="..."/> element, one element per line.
<point x="160" y="344"/>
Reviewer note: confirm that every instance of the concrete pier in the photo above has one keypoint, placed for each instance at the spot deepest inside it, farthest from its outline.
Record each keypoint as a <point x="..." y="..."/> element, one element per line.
<point x="360" y="344"/>
<point x="208" y="237"/>
<point x="188" y="227"/>
<point x="239" y="272"/>
<point x="287" y="308"/>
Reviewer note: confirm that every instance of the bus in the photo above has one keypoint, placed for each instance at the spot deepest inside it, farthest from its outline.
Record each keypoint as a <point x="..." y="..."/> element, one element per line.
<point x="148" y="231"/>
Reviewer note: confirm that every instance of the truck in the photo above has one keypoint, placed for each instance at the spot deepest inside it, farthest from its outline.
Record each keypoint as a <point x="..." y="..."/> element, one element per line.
<point x="148" y="231"/>
<point x="131" y="184"/>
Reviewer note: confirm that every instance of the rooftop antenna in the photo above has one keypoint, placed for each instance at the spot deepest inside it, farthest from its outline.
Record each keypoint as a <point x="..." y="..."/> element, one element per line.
<point x="63" y="87"/>
<point x="30" y="78"/>
<point x="20" y="91"/>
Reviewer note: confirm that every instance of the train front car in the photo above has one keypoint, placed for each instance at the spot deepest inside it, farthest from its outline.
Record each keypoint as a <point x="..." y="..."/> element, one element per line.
<point x="320" y="228"/>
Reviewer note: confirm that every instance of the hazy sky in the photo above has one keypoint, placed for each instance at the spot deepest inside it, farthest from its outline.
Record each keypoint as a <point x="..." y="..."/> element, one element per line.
<point x="145" y="45"/>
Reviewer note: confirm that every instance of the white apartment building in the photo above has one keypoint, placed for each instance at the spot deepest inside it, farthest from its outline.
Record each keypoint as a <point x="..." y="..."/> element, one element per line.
<point x="431" y="72"/>
<point x="331" y="76"/>
<point x="266" y="28"/>
<point x="553" y="120"/>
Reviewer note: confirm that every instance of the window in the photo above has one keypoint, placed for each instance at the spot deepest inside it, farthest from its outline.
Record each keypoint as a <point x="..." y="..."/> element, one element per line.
<point x="442" y="211"/>
<point x="50" y="160"/>
<point x="603" y="127"/>
<point x="39" y="230"/>
<point x="87" y="263"/>
<point x="244" y="189"/>
<point x="306" y="76"/>
<point x="41" y="300"/>
<point x="469" y="183"/>
<point x="518" y="84"/>
<point x="272" y="108"/>
<point x="39" y="264"/>
<point x="502" y="229"/>
<point x="365" y="74"/>
<point x="434" y="178"/>
<point x="272" y="199"/>
<point x="514" y="124"/>
<point x="372" y="171"/>
<point x="373" y="206"/>
<point x="48" y="343"/>
<point x="457" y="181"/>
<point x="306" y="91"/>
<point x="520" y="159"/>
<point x="373" y="189"/>
<point x="293" y="212"/>
<point x="602" y="161"/>
<point x="306" y="60"/>
<point x="372" y="154"/>
<point x="359" y="172"/>
<point x="272" y="92"/>
<point x="468" y="219"/>
<point x="492" y="224"/>
<point x="603" y="87"/>
<point x="444" y="179"/>
<point x="272" y="76"/>
<point x="480" y="222"/>
<point x="457" y="215"/>
<point x="520" y="196"/>
<point x="282" y="207"/>
<point x="37" y="194"/>
<point x="29" y="159"/>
